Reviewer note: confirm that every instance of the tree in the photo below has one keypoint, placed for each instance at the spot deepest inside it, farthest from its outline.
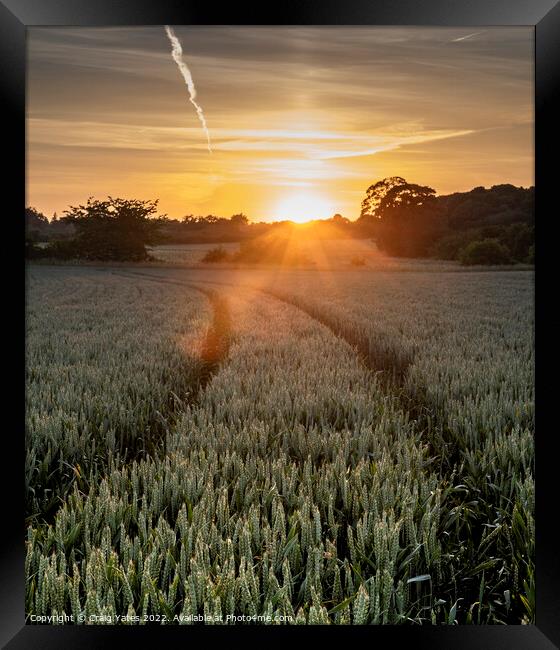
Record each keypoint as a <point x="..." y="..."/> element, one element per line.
<point x="239" y="220"/>
<point x="402" y="196"/>
<point x="376" y="193"/>
<point x="409" y="218"/>
<point x="36" y="225"/>
<point x="115" y="229"/>
<point x="405" y="219"/>
<point x="33" y="215"/>
<point x="339" y="220"/>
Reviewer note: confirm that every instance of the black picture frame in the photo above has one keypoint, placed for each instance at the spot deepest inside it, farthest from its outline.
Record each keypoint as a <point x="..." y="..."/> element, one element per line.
<point x="15" y="17"/>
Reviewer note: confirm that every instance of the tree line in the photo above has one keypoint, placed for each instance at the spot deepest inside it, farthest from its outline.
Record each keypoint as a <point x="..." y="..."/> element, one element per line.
<point x="494" y="226"/>
<point x="482" y="226"/>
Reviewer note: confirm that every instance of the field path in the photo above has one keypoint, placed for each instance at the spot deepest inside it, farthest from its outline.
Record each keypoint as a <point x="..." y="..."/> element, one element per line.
<point x="348" y="333"/>
<point x="389" y="371"/>
<point x="217" y="340"/>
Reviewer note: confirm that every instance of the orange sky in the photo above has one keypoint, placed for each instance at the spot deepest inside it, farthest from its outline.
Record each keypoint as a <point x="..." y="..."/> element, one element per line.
<point x="302" y="119"/>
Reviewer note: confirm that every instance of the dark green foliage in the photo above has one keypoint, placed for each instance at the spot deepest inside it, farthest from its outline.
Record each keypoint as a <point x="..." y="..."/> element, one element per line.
<point x="408" y="220"/>
<point x="61" y="250"/>
<point x="486" y="251"/>
<point x="517" y="238"/>
<point x="36" y="225"/>
<point x="499" y="205"/>
<point x="115" y="229"/>
<point x="409" y="217"/>
<point x="448" y="247"/>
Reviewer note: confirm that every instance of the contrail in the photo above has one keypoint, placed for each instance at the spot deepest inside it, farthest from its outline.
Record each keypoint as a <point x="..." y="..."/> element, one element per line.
<point x="464" y="38"/>
<point x="177" y="54"/>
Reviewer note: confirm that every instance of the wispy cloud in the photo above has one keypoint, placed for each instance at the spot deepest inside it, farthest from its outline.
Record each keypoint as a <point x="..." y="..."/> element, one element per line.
<point x="388" y="144"/>
<point x="321" y="145"/>
<point x="330" y="109"/>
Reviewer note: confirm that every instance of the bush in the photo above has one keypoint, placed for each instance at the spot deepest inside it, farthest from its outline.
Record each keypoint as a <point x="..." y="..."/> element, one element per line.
<point x="272" y="250"/>
<point x="214" y="255"/>
<point x="485" y="251"/>
<point x="517" y="238"/>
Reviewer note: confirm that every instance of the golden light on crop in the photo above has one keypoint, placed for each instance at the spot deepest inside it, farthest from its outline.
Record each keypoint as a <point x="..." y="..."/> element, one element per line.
<point x="303" y="206"/>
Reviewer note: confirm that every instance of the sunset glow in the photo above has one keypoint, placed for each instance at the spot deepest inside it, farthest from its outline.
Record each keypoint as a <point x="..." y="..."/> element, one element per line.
<point x="303" y="207"/>
<point x="302" y="120"/>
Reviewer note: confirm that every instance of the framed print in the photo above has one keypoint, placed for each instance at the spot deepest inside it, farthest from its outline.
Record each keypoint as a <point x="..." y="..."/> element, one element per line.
<point x="280" y="313"/>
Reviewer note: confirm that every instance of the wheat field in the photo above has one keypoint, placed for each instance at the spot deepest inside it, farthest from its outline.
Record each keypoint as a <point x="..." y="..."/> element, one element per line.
<point x="291" y="447"/>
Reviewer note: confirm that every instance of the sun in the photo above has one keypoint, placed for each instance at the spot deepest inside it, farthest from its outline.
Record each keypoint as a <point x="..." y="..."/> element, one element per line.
<point x="302" y="207"/>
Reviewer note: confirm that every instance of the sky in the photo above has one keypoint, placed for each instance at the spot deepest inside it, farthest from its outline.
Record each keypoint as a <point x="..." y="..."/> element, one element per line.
<point x="302" y="120"/>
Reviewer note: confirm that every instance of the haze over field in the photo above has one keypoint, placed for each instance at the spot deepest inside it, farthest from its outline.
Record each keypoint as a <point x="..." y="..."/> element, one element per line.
<point x="301" y="119"/>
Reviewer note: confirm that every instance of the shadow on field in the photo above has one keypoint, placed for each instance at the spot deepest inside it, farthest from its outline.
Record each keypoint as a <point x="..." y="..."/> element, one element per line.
<point x="217" y="341"/>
